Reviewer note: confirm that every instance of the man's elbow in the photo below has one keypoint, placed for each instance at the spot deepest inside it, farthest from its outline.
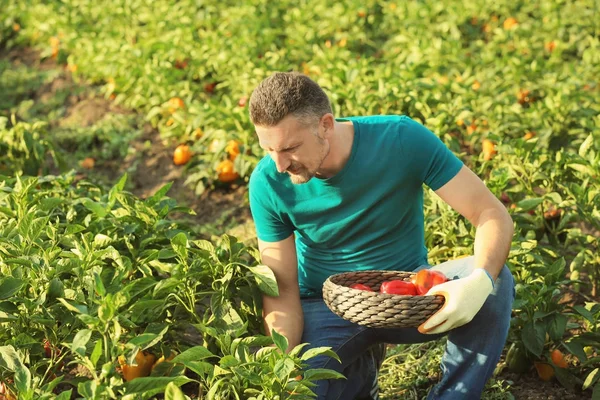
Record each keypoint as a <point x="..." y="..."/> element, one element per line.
<point x="497" y="213"/>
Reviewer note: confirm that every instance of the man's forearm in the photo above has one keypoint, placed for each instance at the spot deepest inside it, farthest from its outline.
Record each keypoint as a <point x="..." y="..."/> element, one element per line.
<point x="493" y="238"/>
<point x="284" y="314"/>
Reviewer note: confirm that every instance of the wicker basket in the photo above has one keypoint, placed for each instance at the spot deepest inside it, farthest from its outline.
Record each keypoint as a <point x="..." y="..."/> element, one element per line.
<point x="374" y="309"/>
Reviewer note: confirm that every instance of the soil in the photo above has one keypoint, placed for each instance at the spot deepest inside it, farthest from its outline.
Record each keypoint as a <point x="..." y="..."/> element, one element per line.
<point x="149" y="166"/>
<point x="531" y="387"/>
<point x="152" y="168"/>
<point x="155" y="168"/>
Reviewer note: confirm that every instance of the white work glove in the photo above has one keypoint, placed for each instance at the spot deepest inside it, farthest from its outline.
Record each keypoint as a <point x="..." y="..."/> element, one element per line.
<point x="464" y="299"/>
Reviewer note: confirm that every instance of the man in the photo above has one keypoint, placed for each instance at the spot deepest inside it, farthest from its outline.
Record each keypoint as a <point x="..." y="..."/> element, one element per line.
<point x="346" y="194"/>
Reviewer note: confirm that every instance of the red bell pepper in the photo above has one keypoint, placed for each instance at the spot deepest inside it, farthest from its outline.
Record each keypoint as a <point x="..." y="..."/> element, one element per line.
<point x="398" y="287"/>
<point x="425" y="279"/>
<point x="360" y="286"/>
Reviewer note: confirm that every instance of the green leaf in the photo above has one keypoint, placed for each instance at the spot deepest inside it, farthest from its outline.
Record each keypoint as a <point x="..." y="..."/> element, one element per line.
<point x="577" y="262"/>
<point x="147" y="340"/>
<point x="72" y="229"/>
<point x="87" y="389"/>
<point x="201" y="368"/>
<point x="79" y="309"/>
<point x="50" y="203"/>
<point x="565" y="378"/>
<point x="180" y="243"/>
<point x="280" y="341"/>
<point x="319" y="351"/>
<point x="55" y="289"/>
<point x="301" y="387"/>
<point x="221" y="371"/>
<point x="23" y="379"/>
<point x="584" y="312"/>
<point x="112" y="253"/>
<point x="96" y="353"/>
<point x="229" y="361"/>
<point x="99" y="285"/>
<point x="52" y="384"/>
<point x="557" y="326"/>
<point x="555" y="271"/>
<point x="283" y="368"/>
<point x="541" y="314"/>
<point x="20" y="261"/>
<point x="214" y="389"/>
<point x="139" y="286"/>
<point x="66" y="395"/>
<point x="9" y="286"/>
<point x="530" y="204"/>
<point x="89" y="320"/>
<point x="583" y="169"/>
<point x="166" y="287"/>
<point x="234" y="324"/>
<point x="591" y="379"/>
<point x="152" y="385"/>
<point x="9" y="212"/>
<point x="205" y="245"/>
<point x="37" y="227"/>
<point x="585" y="146"/>
<point x="9" y="308"/>
<point x="555" y="197"/>
<point x="195" y="353"/>
<point x="160" y="193"/>
<point x="101" y="241"/>
<point x="116" y="189"/>
<point x="533" y="336"/>
<point x="296" y="350"/>
<point x="80" y="341"/>
<point x="260" y="341"/>
<point x="173" y="392"/>
<point x="106" y="311"/>
<point x="322" y="373"/>
<point x="596" y="393"/>
<point x="576" y="349"/>
<point x="592" y="337"/>
<point x="97" y="208"/>
<point x="166" y="254"/>
<point x="265" y="278"/>
<point x="144" y="309"/>
<point x="10" y="359"/>
<point x="25" y="224"/>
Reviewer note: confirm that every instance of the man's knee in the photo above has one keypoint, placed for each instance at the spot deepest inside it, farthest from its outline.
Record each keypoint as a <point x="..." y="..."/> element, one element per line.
<point x="499" y="303"/>
<point x="505" y="285"/>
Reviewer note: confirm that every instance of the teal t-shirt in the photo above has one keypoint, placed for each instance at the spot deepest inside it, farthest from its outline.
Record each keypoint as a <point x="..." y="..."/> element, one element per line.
<point x="369" y="215"/>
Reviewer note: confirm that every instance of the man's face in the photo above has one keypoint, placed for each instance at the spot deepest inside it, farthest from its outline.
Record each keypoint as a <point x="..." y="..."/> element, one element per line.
<point x="296" y="148"/>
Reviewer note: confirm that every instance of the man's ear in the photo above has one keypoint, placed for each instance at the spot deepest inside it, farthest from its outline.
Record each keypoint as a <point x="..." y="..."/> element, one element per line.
<point x="327" y="124"/>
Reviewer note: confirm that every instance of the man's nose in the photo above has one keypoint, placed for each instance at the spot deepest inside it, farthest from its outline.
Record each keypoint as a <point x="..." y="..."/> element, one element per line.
<point x="281" y="161"/>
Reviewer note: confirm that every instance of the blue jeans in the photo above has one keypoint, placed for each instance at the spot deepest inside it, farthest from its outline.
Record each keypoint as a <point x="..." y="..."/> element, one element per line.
<point x="471" y="354"/>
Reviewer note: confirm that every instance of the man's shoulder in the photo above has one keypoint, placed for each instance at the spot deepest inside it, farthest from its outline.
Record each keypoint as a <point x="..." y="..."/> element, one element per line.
<point x="380" y="119"/>
<point x="384" y="124"/>
<point x="385" y="130"/>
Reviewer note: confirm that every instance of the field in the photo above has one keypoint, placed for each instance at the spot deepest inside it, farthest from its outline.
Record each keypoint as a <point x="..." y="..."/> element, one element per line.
<point x="126" y="148"/>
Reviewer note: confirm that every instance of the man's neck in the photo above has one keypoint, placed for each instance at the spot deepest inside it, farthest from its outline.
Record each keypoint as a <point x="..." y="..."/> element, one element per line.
<point x="339" y="151"/>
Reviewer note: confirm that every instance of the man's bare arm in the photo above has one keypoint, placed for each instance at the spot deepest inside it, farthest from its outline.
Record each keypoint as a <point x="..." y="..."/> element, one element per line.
<point x="468" y="195"/>
<point x="283" y="313"/>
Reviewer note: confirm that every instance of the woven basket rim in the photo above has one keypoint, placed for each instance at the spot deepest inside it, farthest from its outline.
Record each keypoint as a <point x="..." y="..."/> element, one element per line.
<point x="376" y="309"/>
<point x="330" y="281"/>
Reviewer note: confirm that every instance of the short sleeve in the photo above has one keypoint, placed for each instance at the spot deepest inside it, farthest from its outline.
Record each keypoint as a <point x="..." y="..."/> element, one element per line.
<point x="270" y="226"/>
<point x="431" y="160"/>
